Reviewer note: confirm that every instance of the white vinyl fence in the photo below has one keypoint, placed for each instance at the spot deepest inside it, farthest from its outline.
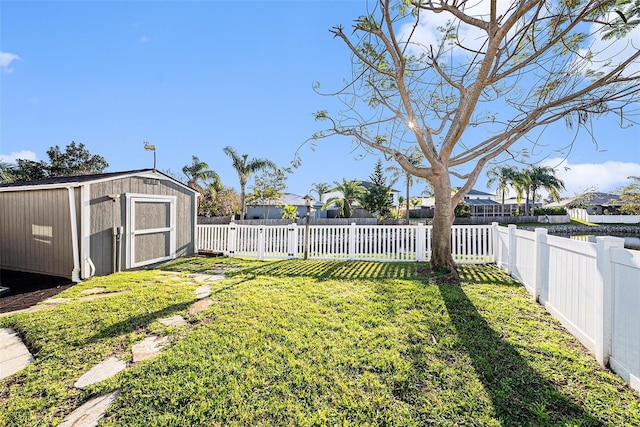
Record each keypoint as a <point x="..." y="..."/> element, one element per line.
<point x="470" y="243"/>
<point x="603" y="219"/>
<point x="592" y="288"/>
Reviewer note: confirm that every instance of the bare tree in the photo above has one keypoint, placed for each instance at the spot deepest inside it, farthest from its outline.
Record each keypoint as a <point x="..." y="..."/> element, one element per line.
<point x="481" y="87"/>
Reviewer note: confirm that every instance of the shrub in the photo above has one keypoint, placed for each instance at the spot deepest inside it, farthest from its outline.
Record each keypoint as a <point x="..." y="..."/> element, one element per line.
<point x="550" y="211"/>
<point x="463" y="210"/>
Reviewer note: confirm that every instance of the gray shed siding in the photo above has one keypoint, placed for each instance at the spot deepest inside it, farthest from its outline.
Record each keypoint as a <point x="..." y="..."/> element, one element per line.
<point x="36" y="231"/>
<point x="106" y="214"/>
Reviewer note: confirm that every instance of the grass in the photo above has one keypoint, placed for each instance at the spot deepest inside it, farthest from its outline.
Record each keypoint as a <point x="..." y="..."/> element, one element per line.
<point x="314" y="343"/>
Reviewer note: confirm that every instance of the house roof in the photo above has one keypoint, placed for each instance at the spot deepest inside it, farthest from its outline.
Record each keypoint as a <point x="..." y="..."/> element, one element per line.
<point x="474" y="192"/>
<point x="590" y="199"/>
<point x="79" y="179"/>
<point x="481" y="202"/>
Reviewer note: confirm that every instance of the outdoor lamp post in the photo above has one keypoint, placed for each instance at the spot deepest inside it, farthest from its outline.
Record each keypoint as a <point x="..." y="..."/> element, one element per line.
<point x="308" y="200"/>
<point x="149" y="147"/>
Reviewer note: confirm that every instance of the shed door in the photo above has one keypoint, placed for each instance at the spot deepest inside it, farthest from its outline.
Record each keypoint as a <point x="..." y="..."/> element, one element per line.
<point x="151" y="229"/>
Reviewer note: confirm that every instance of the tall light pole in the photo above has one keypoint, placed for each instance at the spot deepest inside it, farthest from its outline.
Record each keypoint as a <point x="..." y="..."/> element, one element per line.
<point x="308" y="200"/>
<point x="149" y="147"/>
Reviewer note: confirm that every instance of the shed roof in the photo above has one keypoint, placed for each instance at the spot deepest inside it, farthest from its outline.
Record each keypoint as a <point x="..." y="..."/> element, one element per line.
<point x="79" y="179"/>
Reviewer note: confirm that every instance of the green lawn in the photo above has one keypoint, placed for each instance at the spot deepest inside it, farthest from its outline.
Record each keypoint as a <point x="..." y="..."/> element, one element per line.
<point x="318" y="343"/>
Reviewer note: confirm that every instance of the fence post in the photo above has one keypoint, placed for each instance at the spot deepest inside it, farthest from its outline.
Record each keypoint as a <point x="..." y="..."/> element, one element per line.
<point x="511" y="250"/>
<point x="352" y="241"/>
<point x="292" y="240"/>
<point x="421" y="243"/>
<point x="539" y="258"/>
<point x="233" y="235"/>
<point x="604" y="296"/>
<point x="494" y="243"/>
<point x="261" y="240"/>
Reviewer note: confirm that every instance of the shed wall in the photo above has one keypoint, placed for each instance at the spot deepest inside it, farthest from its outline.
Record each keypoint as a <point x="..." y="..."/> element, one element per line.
<point x="107" y="214"/>
<point x="35" y="231"/>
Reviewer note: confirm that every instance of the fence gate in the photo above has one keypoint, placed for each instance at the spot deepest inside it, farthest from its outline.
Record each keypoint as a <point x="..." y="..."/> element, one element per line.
<point x="151" y="229"/>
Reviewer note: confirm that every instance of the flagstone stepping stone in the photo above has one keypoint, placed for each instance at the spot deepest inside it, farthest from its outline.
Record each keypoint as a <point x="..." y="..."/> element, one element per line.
<point x="100" y="372"/>
<point x="148" y="347"/>
<point x="200" y="278"/>
<point x="56" y="300"/>
<point x="14" y="355"/>
<point x="96" y="290"/>
<point x="199" y="306"/>
<point x="216" y="277"/>
<point x="91" y="412"/>
<point x="103" y="295"/>
<point x="176" y="320"/>
<point x="203" y="291"/>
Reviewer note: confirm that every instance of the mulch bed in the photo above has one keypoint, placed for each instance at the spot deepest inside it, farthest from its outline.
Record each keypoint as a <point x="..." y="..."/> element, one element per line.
<point x="28" y="289"/>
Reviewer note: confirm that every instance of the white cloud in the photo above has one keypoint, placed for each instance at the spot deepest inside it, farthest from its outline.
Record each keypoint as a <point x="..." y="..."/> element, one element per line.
<point x="607" y="176"/>
<point x="427" y="33"/>
<point x="11" y="157"/>
<point x="6" y="59"/>
<point x="615" y="50"/>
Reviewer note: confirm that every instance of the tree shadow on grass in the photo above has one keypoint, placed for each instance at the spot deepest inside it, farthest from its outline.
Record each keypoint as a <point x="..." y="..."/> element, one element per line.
<point x="329" y="269"/>
<point x="520" y="395"/>
<point x="134" y="323"/>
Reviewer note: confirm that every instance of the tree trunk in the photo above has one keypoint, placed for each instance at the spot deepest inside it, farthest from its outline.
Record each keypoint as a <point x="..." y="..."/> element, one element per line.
<point x="243" y="208"/>
<point x="443" y="217"/>
<point x="406" y="221"/>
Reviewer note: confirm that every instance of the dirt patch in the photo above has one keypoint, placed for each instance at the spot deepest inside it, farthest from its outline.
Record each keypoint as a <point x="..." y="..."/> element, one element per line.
<point x="28" y="289"/>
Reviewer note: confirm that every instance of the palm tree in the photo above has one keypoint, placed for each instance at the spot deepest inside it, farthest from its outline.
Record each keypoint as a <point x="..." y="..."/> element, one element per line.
<point x="397" y="172"/>
<point x="321" y="188"/>
<point x="199" y="171"/>
<point x="521" y="181"/>
<point x="545" y="177"/>
<point x="503" y="176"/>
<point x="244" y="168"/>
<point x="352" y="191"/>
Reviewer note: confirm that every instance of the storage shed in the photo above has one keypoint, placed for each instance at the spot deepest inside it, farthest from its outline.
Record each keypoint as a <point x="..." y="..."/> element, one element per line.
<point x="81" y="226"/>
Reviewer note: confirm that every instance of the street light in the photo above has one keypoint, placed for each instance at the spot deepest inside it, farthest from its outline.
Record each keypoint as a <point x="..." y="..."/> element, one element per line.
<point x="149" y="147"/>
<point x="308" y="200"/>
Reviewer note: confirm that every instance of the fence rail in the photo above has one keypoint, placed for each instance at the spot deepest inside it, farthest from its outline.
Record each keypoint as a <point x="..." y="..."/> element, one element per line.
<point x="583" y="215"/>
<point x="471" y="244"/>
<point x="592" y="288"/>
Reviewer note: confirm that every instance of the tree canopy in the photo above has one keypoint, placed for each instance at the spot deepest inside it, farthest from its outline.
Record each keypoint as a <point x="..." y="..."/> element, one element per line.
<point x="75" y="160"/>
<point x="468" y="83"/>
<point x="377" y="199"/>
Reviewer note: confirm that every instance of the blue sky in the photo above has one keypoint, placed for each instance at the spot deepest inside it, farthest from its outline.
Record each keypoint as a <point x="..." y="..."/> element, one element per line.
<point x="194" y="77"/>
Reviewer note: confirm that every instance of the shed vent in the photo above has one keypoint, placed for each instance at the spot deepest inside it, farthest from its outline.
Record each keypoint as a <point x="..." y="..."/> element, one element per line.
<point x="151" y="181"/>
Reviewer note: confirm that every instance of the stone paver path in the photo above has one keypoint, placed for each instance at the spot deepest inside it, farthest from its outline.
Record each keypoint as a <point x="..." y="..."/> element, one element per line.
<point x="103" y="295"/>
<point x="176" y="320"/>
<point x="203" y="291"/>
<point x="56" y="300"/>
<point x="199" y="306"/>
<point x="90" y="412"/>
<point x="102" y="371"/>
<point x="148" y="347"/>
<point x="14" y="355"/>
<point x="208" y="277"/>
<point x="95" y="290"/>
